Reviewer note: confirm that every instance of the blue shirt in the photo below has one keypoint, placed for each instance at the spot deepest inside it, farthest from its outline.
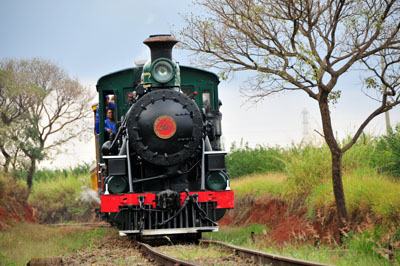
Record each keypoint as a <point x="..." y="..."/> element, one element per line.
<point x="109" y="125"/>
<point x="97" y="123"/>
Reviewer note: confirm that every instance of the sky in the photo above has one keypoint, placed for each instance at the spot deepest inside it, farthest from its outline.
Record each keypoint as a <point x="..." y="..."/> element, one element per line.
<point x="91" y="38"/>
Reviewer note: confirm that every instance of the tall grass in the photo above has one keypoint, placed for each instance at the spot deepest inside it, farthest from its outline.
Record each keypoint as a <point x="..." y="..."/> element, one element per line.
<point x="258" y="184"/>
<point x="308" y="164"/>
<point x="48" y="174"/>
<point x="367" y="192"/>
<point x="244" y="160"/>
<point x="362" y="154"/>
<point x="57" y="199"/>
<point x="371" y="187"/>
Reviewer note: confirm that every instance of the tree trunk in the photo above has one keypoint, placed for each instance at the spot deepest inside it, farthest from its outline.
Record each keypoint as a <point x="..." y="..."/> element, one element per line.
<point x="31" y="172"/>
<point x="7" y="159"/>
<point x="338" y="190"/>
<point x="336" y="154"/>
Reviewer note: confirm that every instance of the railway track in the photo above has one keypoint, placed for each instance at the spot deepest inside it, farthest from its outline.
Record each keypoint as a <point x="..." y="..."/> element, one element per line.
<point x="90" y="225"/>
<point x="238" y="256"/>
<point x="227" y="254"/>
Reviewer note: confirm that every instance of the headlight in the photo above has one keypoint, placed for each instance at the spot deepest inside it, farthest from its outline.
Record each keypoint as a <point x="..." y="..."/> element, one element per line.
<point x="163" y="71"/>
<point x="216" y="180"/>
<point x="117" y="184"/>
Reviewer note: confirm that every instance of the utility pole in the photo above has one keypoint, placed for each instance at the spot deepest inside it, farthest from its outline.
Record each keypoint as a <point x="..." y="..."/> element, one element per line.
<point x="306" y="126"/>
<point x="387" y="119"/>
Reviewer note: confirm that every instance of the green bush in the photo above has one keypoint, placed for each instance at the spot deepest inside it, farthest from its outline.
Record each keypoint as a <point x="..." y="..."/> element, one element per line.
<point x="244" y="160"/>
<point x="362" y="154"/>
<point x="306" y="166"/>
<point x="387" y="156"/>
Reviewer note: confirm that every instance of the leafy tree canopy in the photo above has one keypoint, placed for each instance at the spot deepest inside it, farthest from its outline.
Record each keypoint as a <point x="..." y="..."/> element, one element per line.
<point x="41" y="108"/>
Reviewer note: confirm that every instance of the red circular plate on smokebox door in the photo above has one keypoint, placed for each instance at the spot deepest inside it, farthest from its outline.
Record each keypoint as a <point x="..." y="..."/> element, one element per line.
<point x="164" y="127"/>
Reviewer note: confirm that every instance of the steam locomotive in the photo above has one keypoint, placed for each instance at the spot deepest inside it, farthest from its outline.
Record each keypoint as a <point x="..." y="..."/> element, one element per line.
<point x="162" y="172"/>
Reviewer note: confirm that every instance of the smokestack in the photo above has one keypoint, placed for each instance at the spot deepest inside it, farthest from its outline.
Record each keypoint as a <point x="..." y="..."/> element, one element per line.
<point x="160" y="46"/>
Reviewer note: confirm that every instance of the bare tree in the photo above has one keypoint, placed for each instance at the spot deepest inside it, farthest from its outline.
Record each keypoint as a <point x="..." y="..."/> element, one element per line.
<point x="303" y="45"/>
<point x="54" y="117"/>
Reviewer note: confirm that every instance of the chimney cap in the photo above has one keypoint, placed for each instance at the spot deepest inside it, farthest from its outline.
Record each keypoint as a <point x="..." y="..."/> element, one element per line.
<point x="160" y="38"/>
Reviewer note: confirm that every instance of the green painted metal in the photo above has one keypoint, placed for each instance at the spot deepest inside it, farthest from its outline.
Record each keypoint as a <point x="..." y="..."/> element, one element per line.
<point x="148" y="77"/>
<point x="194" y="82"/>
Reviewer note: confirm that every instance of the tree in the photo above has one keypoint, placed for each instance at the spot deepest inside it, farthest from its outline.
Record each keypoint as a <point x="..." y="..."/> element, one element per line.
<point x="52" y="111"/>
<point x="16" y="93"/>
<point x="304" y="45"/>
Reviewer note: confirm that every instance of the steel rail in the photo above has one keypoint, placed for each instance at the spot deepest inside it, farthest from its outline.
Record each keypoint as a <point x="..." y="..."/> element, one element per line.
<point x="259" y="256"/>
<point x="161" y="258"/>
<point x="81" y="225"/>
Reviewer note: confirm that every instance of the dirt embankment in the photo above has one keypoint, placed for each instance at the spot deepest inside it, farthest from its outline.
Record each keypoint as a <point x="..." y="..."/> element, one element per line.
<point x="14" y="207"/>
<point x="15" y="211"/>
<point x="288" y="222"/>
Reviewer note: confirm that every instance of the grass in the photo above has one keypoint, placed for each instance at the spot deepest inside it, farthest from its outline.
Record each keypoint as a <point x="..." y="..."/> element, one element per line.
<point x="238" y="235"/>
<point x="306" y="166"/>
<point x="366" y="191"/>
<point x="57" y="199"/>
<point x="193" y="251"/>
<point x="25" y="241"/>
<point x="387" y="158"/>
<point x="359" y="249"/>
<point x="48" y="174"/>
<point x="11" y="189"/>
<point x="258" y="184"/>
<point x="369" y="193"/>
<point x="258" y="160"/>
<point x="369" y="175"/>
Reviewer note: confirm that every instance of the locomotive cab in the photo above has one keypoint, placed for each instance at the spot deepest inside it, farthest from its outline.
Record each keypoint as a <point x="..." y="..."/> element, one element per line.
<point x="162" y="171"/>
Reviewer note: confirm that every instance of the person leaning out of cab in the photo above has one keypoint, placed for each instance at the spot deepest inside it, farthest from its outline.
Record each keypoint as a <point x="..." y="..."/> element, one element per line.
<point x="109" y="123"/>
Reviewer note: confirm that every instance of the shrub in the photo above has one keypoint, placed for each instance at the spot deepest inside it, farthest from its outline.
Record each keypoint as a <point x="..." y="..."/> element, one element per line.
<point x="244" y="160"/>
<point x="387" y="156"/>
